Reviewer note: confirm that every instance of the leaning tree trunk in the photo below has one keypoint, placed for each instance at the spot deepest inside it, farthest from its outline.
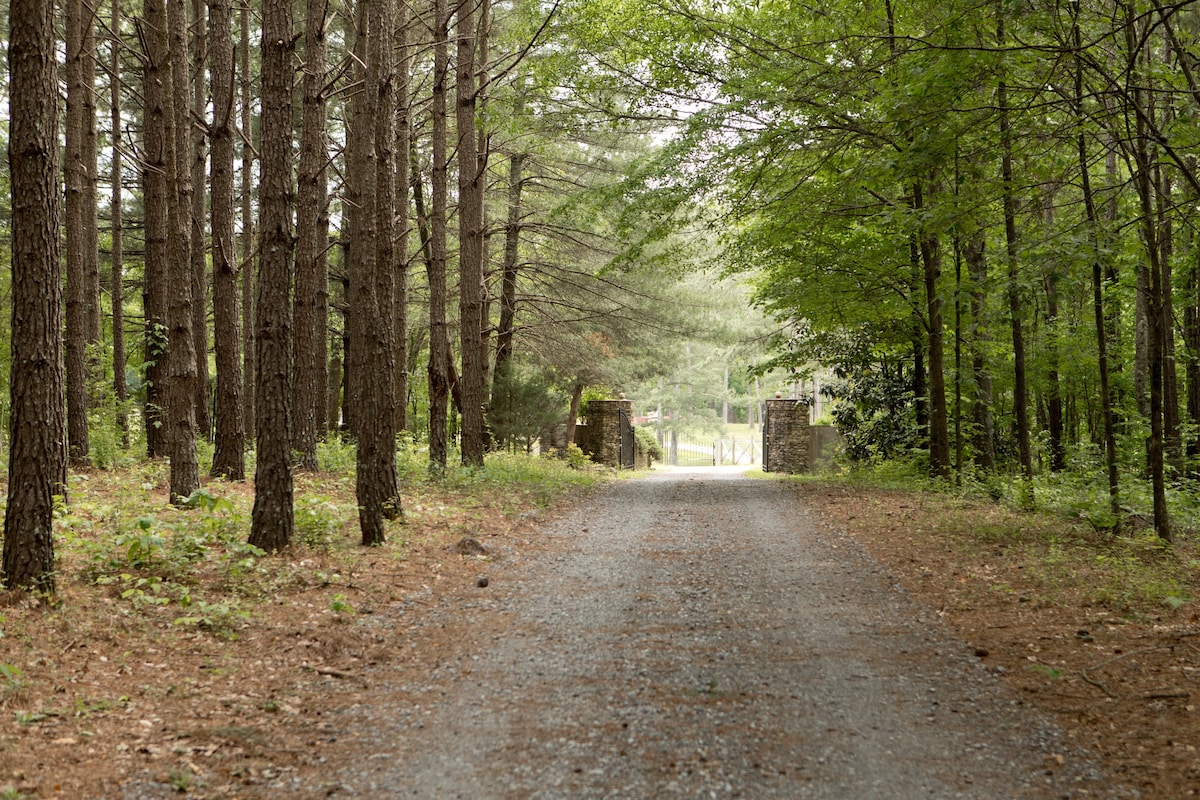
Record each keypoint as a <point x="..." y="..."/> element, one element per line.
<point x="272" y="518"/>
<point x="37" y="456"/>
<point x="229" y="459"/>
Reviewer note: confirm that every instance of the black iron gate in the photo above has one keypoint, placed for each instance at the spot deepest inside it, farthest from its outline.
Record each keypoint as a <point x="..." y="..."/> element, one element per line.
<point x="628" y="445"/>
<point x="766" y="436"/>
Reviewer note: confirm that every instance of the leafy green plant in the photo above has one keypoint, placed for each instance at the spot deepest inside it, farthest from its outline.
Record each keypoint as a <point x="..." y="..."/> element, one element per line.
<point x="317" y="522"/>
<point x="221" y="618"/>
<point x="11" y="678"/>
<point x="143" y="546"/>
<point x="340" y="604"/>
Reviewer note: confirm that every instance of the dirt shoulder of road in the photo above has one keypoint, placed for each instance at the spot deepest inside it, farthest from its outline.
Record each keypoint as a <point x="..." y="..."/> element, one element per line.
<point x="1103" y="634"/>
<point x="107" y="685"/>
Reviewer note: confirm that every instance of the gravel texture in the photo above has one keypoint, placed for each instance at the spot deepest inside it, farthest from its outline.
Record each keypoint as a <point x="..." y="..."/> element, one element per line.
<point x="690" y="635"/>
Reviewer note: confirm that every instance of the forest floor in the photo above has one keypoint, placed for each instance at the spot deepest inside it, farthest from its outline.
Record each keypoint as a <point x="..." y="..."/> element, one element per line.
<point x="178" y="662"/>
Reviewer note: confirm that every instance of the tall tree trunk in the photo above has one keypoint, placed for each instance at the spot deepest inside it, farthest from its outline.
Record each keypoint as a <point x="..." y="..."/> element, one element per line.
<point x="1172" y="429"/>
<point x="931" y="260"/>
<point x="470" y="241"/>
<point x="199" y="156"/>
<point x="181" y="354"/>
<point x="91" y="203"/>
<point x="1054" y="403"/>
<point x="77" y="321"/>
<point x="371" y="252"/>
<point x="1099" y="314"/>
<point x="1020" y="391"/>
<point x="312" y="242"/>
<point x="983" y="440"/>
<point x="229" y="459"/>
<point x="1144" y="162"/>
<point x="384" y="351"/>
<point x="37" y="454"/>
<point x="439" y="337"/>
<point x="120" y="386"/>
<point x="272" y="518"/>
<point x="249" y="236"/>
<point x="155" y="136"/>
<point x="510" y="271"/>
<point x="403" y="168"/>
<point x="920" y="387"/>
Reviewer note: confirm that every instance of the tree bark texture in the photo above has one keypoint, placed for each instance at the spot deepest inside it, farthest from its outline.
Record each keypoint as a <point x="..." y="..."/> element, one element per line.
<point x="199" y="161"/>
<point x="117" y="287"/>
<point x="249" y="238"/>
<point x="180" y="394"/>
<point x="77" y="301"/>
<point x="229" y="460"/>
<point x="312" y="242"/>
<point x="37" y="453"/>
<point x="439" y="337"/>
<point x="155" y="137"/>
<point x="470" y="241"/>
<point x="272" y="518"/>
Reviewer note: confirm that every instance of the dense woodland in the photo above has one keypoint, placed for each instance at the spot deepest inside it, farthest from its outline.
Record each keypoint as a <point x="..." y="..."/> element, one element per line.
<point x="264" y="224"/>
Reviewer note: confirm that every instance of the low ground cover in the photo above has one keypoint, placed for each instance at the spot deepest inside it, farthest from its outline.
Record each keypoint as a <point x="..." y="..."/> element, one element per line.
<point x="178" y="652"/>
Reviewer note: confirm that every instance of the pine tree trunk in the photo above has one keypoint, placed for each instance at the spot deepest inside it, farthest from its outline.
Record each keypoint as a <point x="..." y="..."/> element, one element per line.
<point x="117" y="290"/>
<point x="229" y="459"/>
<point x="249" y="235"/>
<point x="77" y="323"/>
<point x="401" y="189"/>
<point x="383" y="353"/>
<point x="439" y="339"/>
<point x="470" y="241"/>
<point x="37" y="455"/>
<point x="181" y="355"/>
<point x="272" y="518"/>
<point x="510" y="271"/>
<point x="155" y="84"/>
<point x="199" y="159"/>
<point x="370" y="193"/>
<point x="312" y="240"/>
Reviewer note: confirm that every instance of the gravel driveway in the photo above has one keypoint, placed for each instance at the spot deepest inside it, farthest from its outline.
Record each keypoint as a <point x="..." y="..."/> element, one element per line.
<point x="695" y="635"/>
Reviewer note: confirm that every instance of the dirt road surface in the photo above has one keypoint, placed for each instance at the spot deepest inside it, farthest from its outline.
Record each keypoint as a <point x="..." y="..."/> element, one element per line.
<point x="689" y="635"/>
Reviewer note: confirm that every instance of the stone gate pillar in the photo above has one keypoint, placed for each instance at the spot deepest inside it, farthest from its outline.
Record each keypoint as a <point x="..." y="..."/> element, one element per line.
<point x="786" y="436"/>
<point x="602" y="440"/>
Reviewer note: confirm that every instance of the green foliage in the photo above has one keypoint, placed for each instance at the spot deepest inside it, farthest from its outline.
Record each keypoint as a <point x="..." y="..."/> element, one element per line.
<point x="341" y="605"/>
<point x="10" y="678"/>
<point x="222" y="619"/>
<point x="649" y="443"/>
<point x="526" y="405"/>
<point x="317" y="522"/>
